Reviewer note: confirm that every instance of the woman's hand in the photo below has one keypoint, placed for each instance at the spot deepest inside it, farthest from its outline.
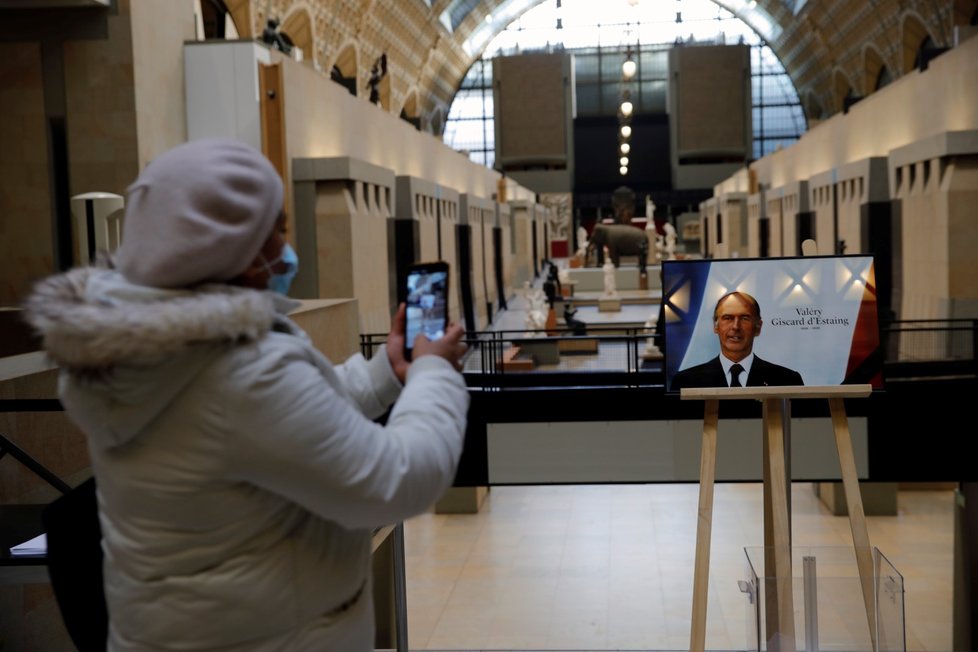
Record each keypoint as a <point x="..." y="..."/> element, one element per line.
<point x="449" y="346"/>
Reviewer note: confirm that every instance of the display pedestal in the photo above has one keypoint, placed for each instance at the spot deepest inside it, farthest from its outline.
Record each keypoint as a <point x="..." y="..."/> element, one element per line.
<point x="512" y="361"/>
<point x="779" y="606"/>
<point x="551" y="325"/>
<point x="609" y="305"/>
<point x="652" y="354"/>
<point x="879" y="498"/>
<point x="461" y="500"/>
<point x="577" y="345"/>
<point x="829" y="616"/>
<point x="559" y="248"/>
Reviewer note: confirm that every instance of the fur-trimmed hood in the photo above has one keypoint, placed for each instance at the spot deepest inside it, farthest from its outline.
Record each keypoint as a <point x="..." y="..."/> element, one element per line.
<point x="93" y="320"/>
<point x="127" y="350"/>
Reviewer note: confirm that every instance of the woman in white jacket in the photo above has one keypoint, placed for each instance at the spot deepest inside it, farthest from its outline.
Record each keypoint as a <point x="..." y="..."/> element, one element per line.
<point x="240" y="474"/>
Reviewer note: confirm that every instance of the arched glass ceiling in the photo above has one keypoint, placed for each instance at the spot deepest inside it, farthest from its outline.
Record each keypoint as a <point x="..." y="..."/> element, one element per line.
<point x="589" y="28"/>
<point x="581" y="16"/>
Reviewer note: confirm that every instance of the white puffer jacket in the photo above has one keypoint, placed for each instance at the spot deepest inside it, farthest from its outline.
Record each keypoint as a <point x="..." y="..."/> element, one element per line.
<point x="239" y="472"/>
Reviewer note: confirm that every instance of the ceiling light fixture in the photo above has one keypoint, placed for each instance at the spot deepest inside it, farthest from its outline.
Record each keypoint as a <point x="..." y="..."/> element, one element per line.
<point x="629" y="67"/>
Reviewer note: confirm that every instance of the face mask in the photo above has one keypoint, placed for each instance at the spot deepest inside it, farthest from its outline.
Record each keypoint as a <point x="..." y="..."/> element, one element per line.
<point x="280" y="282"/>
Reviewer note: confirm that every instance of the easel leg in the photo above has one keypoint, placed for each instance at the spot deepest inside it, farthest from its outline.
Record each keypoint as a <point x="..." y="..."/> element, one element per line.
<point x="704" y="527"/>
<point x="857" y="517"/>
<point x="783" y="638"/>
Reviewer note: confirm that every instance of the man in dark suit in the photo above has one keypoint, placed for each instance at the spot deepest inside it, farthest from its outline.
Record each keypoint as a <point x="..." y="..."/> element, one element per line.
<point x="736" y="321"/>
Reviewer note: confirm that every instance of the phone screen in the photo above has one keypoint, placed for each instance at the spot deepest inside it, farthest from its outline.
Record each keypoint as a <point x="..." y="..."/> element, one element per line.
<point x="427" y="303"/>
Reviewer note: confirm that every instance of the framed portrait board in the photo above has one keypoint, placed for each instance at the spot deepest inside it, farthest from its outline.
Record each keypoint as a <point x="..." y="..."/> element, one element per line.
<point x="801" y="321"/>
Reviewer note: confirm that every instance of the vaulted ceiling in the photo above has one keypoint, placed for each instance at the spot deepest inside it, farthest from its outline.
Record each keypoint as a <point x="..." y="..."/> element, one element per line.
<point x="830" y="48"/>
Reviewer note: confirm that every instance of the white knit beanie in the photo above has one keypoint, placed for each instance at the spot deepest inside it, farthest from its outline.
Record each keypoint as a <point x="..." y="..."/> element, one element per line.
<point x="200" y="212"/>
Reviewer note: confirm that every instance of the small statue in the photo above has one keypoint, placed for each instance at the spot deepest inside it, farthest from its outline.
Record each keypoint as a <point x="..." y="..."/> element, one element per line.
<point x="610" y="291"/>
<point x="550" y="291"/>
<point x="273" y="37"/>
<point x="651" y="238"/>
<point x="576" y="326"/>
<point x="536" y="310"/>
<point x="649" y="209"/>
<point x="377" y="73"/>
<point x="563" y="277"/>
<point x="670" y="241"/>
<point x="652" y="351"/>
<point x="581" y="243"/>
<point x="553" y="276"/>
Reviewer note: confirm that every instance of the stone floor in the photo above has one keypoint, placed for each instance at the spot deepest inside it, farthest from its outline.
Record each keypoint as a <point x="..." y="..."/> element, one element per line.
<point x="609" y="567"/>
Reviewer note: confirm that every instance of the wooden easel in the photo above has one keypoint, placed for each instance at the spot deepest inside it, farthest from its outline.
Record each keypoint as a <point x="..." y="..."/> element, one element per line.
<point x="777" y="530"/>
<point x="777" y="524"/>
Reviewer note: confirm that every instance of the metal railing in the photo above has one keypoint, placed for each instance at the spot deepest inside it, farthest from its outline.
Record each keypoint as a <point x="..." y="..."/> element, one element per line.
<point x="621" y="356"/>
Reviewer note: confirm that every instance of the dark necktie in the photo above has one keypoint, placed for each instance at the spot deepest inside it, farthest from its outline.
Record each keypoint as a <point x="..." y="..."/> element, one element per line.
<point x="735" y="375"/>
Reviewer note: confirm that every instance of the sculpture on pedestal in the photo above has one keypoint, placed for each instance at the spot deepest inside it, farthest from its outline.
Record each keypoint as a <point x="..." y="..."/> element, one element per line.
<point x="377" y="72"/>
<point x="582" y="243"/>
<point x="652" y="351"/>
<point x="670" y="241"/>
<point x="536" y="310"/>
<point x="576" y="326"/>
<point x="651" y="239"/>
<point x="553" y="277"/>
<point x="610" y="290"/>
<point x="617" y="240"/>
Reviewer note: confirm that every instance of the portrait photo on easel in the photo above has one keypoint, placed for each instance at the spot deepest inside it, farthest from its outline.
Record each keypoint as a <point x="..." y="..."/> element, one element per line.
<point x="773" y="322"/>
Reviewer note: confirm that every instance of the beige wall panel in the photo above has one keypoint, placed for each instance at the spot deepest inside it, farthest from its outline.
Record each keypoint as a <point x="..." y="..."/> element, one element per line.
<point x="491" y="293"/>
<point x="523" y="260"/>
<point x="755" y="204"/>
<point x="795" y="201"/>
<point x="708" y="226"/>
<point x="852" y="197"/>
<point x="478" y="266"/>
<point x="899" y="114"/>
<point x="505" y="222"/>
<point x="449" y="253"/>
<point x="733" y="225"/>
<point x="775" y="217"/>
<point x="100" y="100"/>
<point x="427" y="227"/>
<point x="960" y="184"/>
<point x="540" y="224"/>
<point x="324" y="120"/>
<point x="332" y="325"/>
<point x="488" y="219"/>
<point x="159" y="29"/>
<point x="924" y="233"/>
<point x="335" y="204"/>
<point x="26" y="248"/>
<point x="371" y="278"/>
<point x="820" y="200"/>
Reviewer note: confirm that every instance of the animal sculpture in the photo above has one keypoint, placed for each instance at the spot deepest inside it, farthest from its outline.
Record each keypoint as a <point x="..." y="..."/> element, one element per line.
<point x="621" y="240"/>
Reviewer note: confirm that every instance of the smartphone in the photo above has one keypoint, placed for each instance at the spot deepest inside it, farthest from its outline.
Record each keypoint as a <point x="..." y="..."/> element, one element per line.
<point x="427" y="302"/>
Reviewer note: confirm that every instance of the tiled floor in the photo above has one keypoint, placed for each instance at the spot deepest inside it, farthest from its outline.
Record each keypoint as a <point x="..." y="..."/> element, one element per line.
<point x="601" y="567"/>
